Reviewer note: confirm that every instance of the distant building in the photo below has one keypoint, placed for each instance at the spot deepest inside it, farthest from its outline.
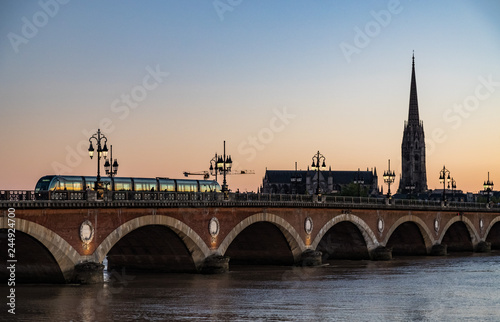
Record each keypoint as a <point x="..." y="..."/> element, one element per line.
<point x="494" y="195"/>
<point x="455" y="195"/>
<point x="413" y="175"/>
<point x="330" y="182"/>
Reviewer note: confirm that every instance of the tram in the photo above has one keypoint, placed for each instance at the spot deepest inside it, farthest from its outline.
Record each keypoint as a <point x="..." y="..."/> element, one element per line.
<point x="82" y="183"/>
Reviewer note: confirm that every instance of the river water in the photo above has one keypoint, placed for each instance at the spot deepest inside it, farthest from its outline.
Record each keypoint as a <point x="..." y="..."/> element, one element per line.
<point x="406" y="289"/>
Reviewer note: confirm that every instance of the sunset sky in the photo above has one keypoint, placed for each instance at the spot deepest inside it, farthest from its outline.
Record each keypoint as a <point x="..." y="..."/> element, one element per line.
<point x="169" y="81"/>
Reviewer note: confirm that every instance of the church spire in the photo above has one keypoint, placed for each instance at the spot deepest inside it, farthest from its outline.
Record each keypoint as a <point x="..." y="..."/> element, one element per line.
<point x="414" y="175"/>
<point x="413" y="117"/>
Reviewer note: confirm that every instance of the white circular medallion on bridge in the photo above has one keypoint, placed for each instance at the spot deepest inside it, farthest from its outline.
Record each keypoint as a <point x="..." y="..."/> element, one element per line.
<point x="86" y="232"/>
<point x="213" y="227"/>
<point x="481" y="223"/>
<point x="436" y="225"/>
<point x="308" y="225"/>
<point x="380" y="225"/>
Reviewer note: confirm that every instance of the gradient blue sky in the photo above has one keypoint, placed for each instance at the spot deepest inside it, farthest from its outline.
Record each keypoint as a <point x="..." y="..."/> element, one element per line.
<point x="229" y="74"/>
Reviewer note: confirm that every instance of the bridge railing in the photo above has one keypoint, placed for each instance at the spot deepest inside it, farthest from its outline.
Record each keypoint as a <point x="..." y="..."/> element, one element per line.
<point x="163" y="196"/>
<point x="417" y="203"/>
<point x="248" y="197"/>
<point x="16" y="195"/>
<point x="235" y="199"/>
<point x="27" y="195"/>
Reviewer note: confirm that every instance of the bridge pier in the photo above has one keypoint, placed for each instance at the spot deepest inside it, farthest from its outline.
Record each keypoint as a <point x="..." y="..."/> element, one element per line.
<point x="215" y="264"/>
<point x="88" y="273"/>
<point x="381" y="253"/>
<point x="483" y="247"/>
<point x="439" y="250"/>
<point x="310" y="258"/>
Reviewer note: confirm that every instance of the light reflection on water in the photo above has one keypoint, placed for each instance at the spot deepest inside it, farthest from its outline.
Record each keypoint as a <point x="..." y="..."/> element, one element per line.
<point x="406" y="289"/>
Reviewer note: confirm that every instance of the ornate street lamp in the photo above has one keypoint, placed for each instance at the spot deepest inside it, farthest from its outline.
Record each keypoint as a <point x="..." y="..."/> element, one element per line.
<point x="296" y="179"/>
<point x="111" y="165"/>
<point x="223" y="165"/>
<point x="488" y="187"/>
<point x="359" y="181"/>
<point x="213" y="167"/>
<point x="453" y="185"/>
<point x="444" y="179"/>
<point x="102" y="151"/>
<point x="389" y="177"/>
<point x="315" y="166"/>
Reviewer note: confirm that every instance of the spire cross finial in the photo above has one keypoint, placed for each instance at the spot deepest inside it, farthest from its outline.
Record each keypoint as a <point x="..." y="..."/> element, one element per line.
<point x="413" y="58"/>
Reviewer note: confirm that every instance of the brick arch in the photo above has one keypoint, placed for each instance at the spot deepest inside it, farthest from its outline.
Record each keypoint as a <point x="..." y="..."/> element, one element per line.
<point x="429" y="241"/>
<point x="196" y="246"/>
<point x="294" y="241"/>
<point x="474" y="236"/>
<point x="492" y="223"/>
<point x="368" y="235"/>
<point x="64" y="254"/>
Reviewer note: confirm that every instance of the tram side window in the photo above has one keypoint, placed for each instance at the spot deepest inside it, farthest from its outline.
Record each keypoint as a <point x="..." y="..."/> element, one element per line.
<point x="122" y="186"/>
<point x="67" y="186"/>
<point x="183" y="186"/>
<point x="64" y="185"/>
<point x="205" y="187"/>
<point x="90" y="184"/>
<point x="144" y="185"/>
<point x="167" y="186"/>
<point x="61" y="186"/>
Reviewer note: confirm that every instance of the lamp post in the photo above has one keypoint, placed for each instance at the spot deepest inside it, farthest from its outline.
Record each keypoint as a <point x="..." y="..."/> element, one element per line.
<point x="102" y="151"/>
<point x="488" y="186"/>
<point x="444" y="179"/>
<point x="213" y="167"/>
<point x="295" y="179"/>
<point x="453" y="185"/>
<point x="315" y="166"/>
<point x="111" y="165"/>
<point x="223" y="165"/>
<point x="359" y="181"/>
<point x="389" y="177"/>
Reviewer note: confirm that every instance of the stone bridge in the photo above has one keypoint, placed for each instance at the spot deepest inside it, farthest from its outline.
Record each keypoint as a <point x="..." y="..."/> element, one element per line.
<point x="60" y="241"/>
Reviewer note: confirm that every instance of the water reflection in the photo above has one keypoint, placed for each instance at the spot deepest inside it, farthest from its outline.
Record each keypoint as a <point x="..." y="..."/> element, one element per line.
<point x="426" y="288"/>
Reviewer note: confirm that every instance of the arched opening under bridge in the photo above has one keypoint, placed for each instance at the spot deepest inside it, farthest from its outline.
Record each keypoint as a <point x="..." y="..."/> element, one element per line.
<point x="457" y="238"/>
<point x="344" y="240"/>
<point x="406" y="240"/>
<point x="261" y="243"/>
<point x="151" y="248"/>
<point x="35" y="263"/>
<point x="494" y="236"/>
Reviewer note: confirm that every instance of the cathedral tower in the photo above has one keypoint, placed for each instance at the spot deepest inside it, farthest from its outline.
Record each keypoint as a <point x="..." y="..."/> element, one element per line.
<point x="413" y="175"/>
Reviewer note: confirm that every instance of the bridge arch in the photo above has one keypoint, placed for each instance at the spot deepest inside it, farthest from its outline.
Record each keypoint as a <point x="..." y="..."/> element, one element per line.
<point x="474" y="236"/>
<point x="296" y="244"/>
<point x="429" y="241"/>
<point x="368" y="235"/>
<point x="196" y="246"/>
<point x="492" y="223"/>
<point x="64" y="254"/>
